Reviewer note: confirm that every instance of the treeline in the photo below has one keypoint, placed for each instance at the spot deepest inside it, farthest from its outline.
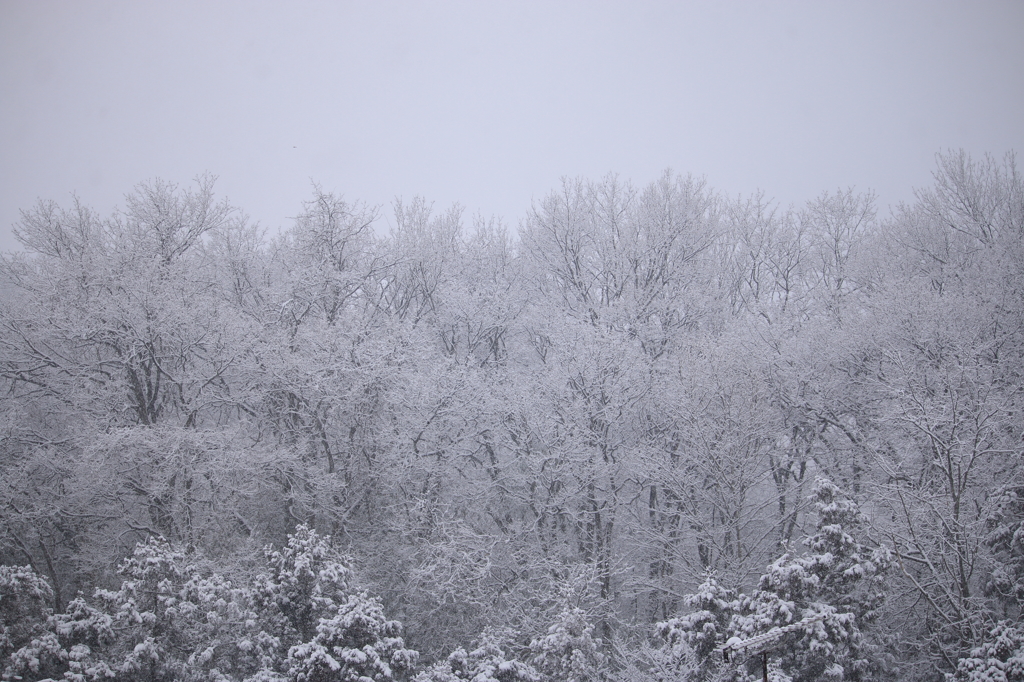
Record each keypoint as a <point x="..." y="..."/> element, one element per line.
<point x="619" y="413"/>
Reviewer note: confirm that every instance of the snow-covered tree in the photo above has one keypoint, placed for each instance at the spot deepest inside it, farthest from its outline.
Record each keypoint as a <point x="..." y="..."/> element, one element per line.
<point x="73" y="646"/>
<point x="1005" y="526"/>
<point x="355" y="644"/>
<point x="849" y="570"/>
<point x="171" y="620"/>
<point x="308" y="580"/>
<point x="24" y="607"/>
<point x="569" y="651"/>
<point x="167" y="621"/>
<point x="823" y="597"/>
<point x="1000" y="658"/>
<point x="487" y="662"/>
<point x="690" y="639"/>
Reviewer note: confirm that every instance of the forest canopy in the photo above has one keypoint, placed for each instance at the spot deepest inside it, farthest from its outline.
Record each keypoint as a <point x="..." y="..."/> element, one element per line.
<point x="650" y="421"/>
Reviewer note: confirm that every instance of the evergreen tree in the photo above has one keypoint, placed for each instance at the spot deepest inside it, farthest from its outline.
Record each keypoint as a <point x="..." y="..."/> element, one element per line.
<point x="569" y="651"/>
<point x="824" y="596"/>
<point x="171" y="621"/>
<point x="485" y="663"/>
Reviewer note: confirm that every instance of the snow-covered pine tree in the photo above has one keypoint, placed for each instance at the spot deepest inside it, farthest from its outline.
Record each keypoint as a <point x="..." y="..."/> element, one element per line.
<point x="485" y="663"/>
<point x="827" y="594"/>
<point x="569" y="651"/>
<point x="170" y="620"/>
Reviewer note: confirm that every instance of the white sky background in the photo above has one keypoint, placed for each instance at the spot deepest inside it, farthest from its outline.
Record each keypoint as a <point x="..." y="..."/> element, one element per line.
<point x="491" y="103"/>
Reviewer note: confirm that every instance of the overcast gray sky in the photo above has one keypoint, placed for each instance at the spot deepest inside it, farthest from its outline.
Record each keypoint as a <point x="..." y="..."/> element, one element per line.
<point x="490" y="103"/>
